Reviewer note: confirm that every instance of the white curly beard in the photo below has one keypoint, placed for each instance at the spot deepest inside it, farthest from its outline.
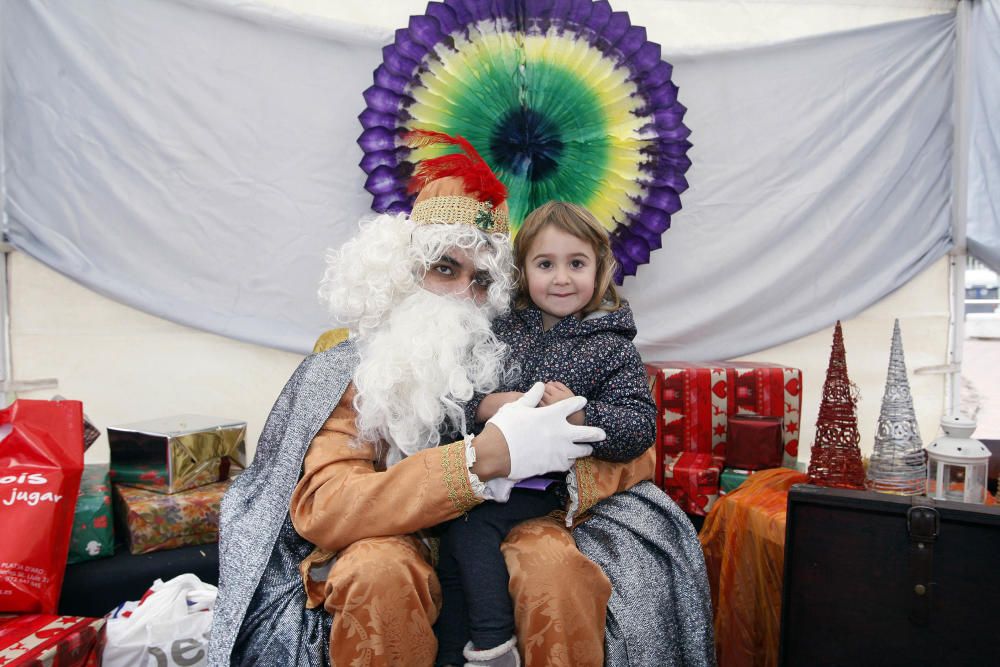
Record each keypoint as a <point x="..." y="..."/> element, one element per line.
<point x="430" y="354"/>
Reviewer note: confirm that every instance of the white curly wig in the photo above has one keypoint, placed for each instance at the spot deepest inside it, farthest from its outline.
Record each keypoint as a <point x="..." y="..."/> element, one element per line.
<point x="386" y="262"/>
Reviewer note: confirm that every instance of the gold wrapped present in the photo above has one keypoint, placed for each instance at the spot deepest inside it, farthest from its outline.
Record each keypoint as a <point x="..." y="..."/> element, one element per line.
<point x="154" y="521"/>
<point x="177" y="453"/>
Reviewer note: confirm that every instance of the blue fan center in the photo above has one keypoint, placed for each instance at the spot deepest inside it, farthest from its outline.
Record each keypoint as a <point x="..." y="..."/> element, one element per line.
<point x="526" y="143"/>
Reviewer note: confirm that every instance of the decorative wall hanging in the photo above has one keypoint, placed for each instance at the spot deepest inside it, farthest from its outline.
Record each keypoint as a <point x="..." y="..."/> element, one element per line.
<point x="565" y="100"/>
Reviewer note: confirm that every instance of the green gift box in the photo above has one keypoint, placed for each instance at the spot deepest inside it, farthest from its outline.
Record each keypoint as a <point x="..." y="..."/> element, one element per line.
<point x="732" y="478"/>
<point x="93" y="534"/>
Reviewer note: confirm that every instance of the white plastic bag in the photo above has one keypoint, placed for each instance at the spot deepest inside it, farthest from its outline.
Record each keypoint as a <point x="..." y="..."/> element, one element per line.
<point x="169" y="627"/>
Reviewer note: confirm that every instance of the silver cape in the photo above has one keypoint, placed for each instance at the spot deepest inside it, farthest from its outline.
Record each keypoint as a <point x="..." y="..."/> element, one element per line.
<point x="659" y="612"/>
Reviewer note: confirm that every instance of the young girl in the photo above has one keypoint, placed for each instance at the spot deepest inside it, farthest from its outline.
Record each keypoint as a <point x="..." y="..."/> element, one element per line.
<point x="570" y="330"/>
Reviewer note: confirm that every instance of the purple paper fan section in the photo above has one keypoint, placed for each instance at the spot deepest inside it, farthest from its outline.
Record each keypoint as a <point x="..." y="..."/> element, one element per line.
<point x="663" y="160"/>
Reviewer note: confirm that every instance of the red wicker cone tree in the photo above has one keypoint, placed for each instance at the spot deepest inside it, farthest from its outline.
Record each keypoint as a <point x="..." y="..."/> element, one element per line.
<point x="836" y="459"/>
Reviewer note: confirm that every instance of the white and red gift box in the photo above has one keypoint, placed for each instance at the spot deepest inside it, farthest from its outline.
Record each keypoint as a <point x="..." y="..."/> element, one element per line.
<point x="46" y="640"/>
<point x="694" y="401"/>
<point x="692" y="480"/>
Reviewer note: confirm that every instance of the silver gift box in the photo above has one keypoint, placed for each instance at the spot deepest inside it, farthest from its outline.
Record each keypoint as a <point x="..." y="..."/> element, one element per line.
<point x="172" y="454"/>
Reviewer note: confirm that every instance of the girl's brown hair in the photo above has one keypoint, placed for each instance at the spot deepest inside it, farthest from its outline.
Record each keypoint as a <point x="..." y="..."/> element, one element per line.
<point x="581" y="223"/>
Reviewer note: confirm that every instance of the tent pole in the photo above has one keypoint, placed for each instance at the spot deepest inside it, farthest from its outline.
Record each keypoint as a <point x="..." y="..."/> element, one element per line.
<point x="959" y="209"/>
<point x="8" y="371"/>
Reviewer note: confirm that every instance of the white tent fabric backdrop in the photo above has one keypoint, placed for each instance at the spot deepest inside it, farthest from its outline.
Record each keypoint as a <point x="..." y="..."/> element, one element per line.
<point x="984" y="134"/>
<point x="194" y="163"/>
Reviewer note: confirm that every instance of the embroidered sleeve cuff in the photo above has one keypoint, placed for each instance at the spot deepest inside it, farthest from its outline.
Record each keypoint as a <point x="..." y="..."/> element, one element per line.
<point x="582" y="487"/>
<point x="459" y="480"/>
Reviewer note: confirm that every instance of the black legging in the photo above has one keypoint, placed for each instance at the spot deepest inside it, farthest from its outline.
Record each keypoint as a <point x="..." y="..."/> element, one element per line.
<point x="473" y="574"/>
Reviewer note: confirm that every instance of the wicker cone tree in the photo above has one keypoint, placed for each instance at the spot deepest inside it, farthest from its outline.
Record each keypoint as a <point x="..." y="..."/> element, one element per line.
<point x="836" y="459"/>
<point x="897" y="464"/>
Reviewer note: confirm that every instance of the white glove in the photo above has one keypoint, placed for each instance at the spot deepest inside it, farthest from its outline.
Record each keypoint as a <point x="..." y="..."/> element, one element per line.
<point x="540" y="440"/>
<point x="498" y="489"/>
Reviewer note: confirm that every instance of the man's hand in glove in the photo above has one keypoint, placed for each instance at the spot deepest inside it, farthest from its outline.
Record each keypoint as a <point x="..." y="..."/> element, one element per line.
<point x="540" y="440"/>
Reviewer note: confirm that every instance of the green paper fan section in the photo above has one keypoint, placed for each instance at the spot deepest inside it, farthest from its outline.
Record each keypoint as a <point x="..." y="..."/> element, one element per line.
<point x="553" y="117"/>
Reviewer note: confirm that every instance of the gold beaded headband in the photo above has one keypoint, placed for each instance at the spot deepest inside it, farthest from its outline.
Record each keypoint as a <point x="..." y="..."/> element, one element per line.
<point x="456" y="209"/>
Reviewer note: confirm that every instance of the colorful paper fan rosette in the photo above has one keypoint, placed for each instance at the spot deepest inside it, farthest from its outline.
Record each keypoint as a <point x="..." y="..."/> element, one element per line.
<point x="564" y="99"/>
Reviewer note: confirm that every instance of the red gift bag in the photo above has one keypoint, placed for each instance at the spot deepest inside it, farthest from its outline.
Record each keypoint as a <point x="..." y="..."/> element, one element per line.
<point x="41" y="460"/>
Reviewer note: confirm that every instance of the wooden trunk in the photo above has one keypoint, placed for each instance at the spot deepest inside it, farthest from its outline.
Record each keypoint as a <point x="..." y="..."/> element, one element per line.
<point x="867" y="581"/>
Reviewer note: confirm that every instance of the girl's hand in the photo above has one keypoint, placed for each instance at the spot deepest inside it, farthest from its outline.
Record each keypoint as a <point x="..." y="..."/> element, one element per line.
<point x="556" y="391"/>
<point x="493" y="402"/>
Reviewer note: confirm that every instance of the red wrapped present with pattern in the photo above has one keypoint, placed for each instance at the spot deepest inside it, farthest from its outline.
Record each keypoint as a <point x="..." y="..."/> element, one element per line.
<point x="695" y="400"/>
<point x="45" y="640"/>
<point x="692" y="480"/>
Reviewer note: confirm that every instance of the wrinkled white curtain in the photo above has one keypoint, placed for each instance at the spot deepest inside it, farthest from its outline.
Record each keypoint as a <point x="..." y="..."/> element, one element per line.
<point x="984" y="133"/>
<point x="194" y="160"/>
<point x="821" y="181"/>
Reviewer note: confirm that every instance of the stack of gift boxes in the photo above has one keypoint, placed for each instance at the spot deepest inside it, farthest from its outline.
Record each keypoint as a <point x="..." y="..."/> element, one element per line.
<point x="165" y="485"/>
<point x="718" y="422"/>
<point x="169" y="476"/>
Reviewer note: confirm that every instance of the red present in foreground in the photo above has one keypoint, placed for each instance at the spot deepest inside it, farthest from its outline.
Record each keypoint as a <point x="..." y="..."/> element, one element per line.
<point x="695" y="400"/>
<point x="692" y="480"/>
<point x="37" y="640"/>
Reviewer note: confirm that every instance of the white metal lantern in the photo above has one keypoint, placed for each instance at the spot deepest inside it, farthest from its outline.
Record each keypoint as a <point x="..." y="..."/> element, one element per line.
<point x="957" y="464"/>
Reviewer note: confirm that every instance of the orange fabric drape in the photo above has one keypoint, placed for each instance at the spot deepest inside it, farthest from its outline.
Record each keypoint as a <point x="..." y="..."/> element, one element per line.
<point x="744" y="543"/>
